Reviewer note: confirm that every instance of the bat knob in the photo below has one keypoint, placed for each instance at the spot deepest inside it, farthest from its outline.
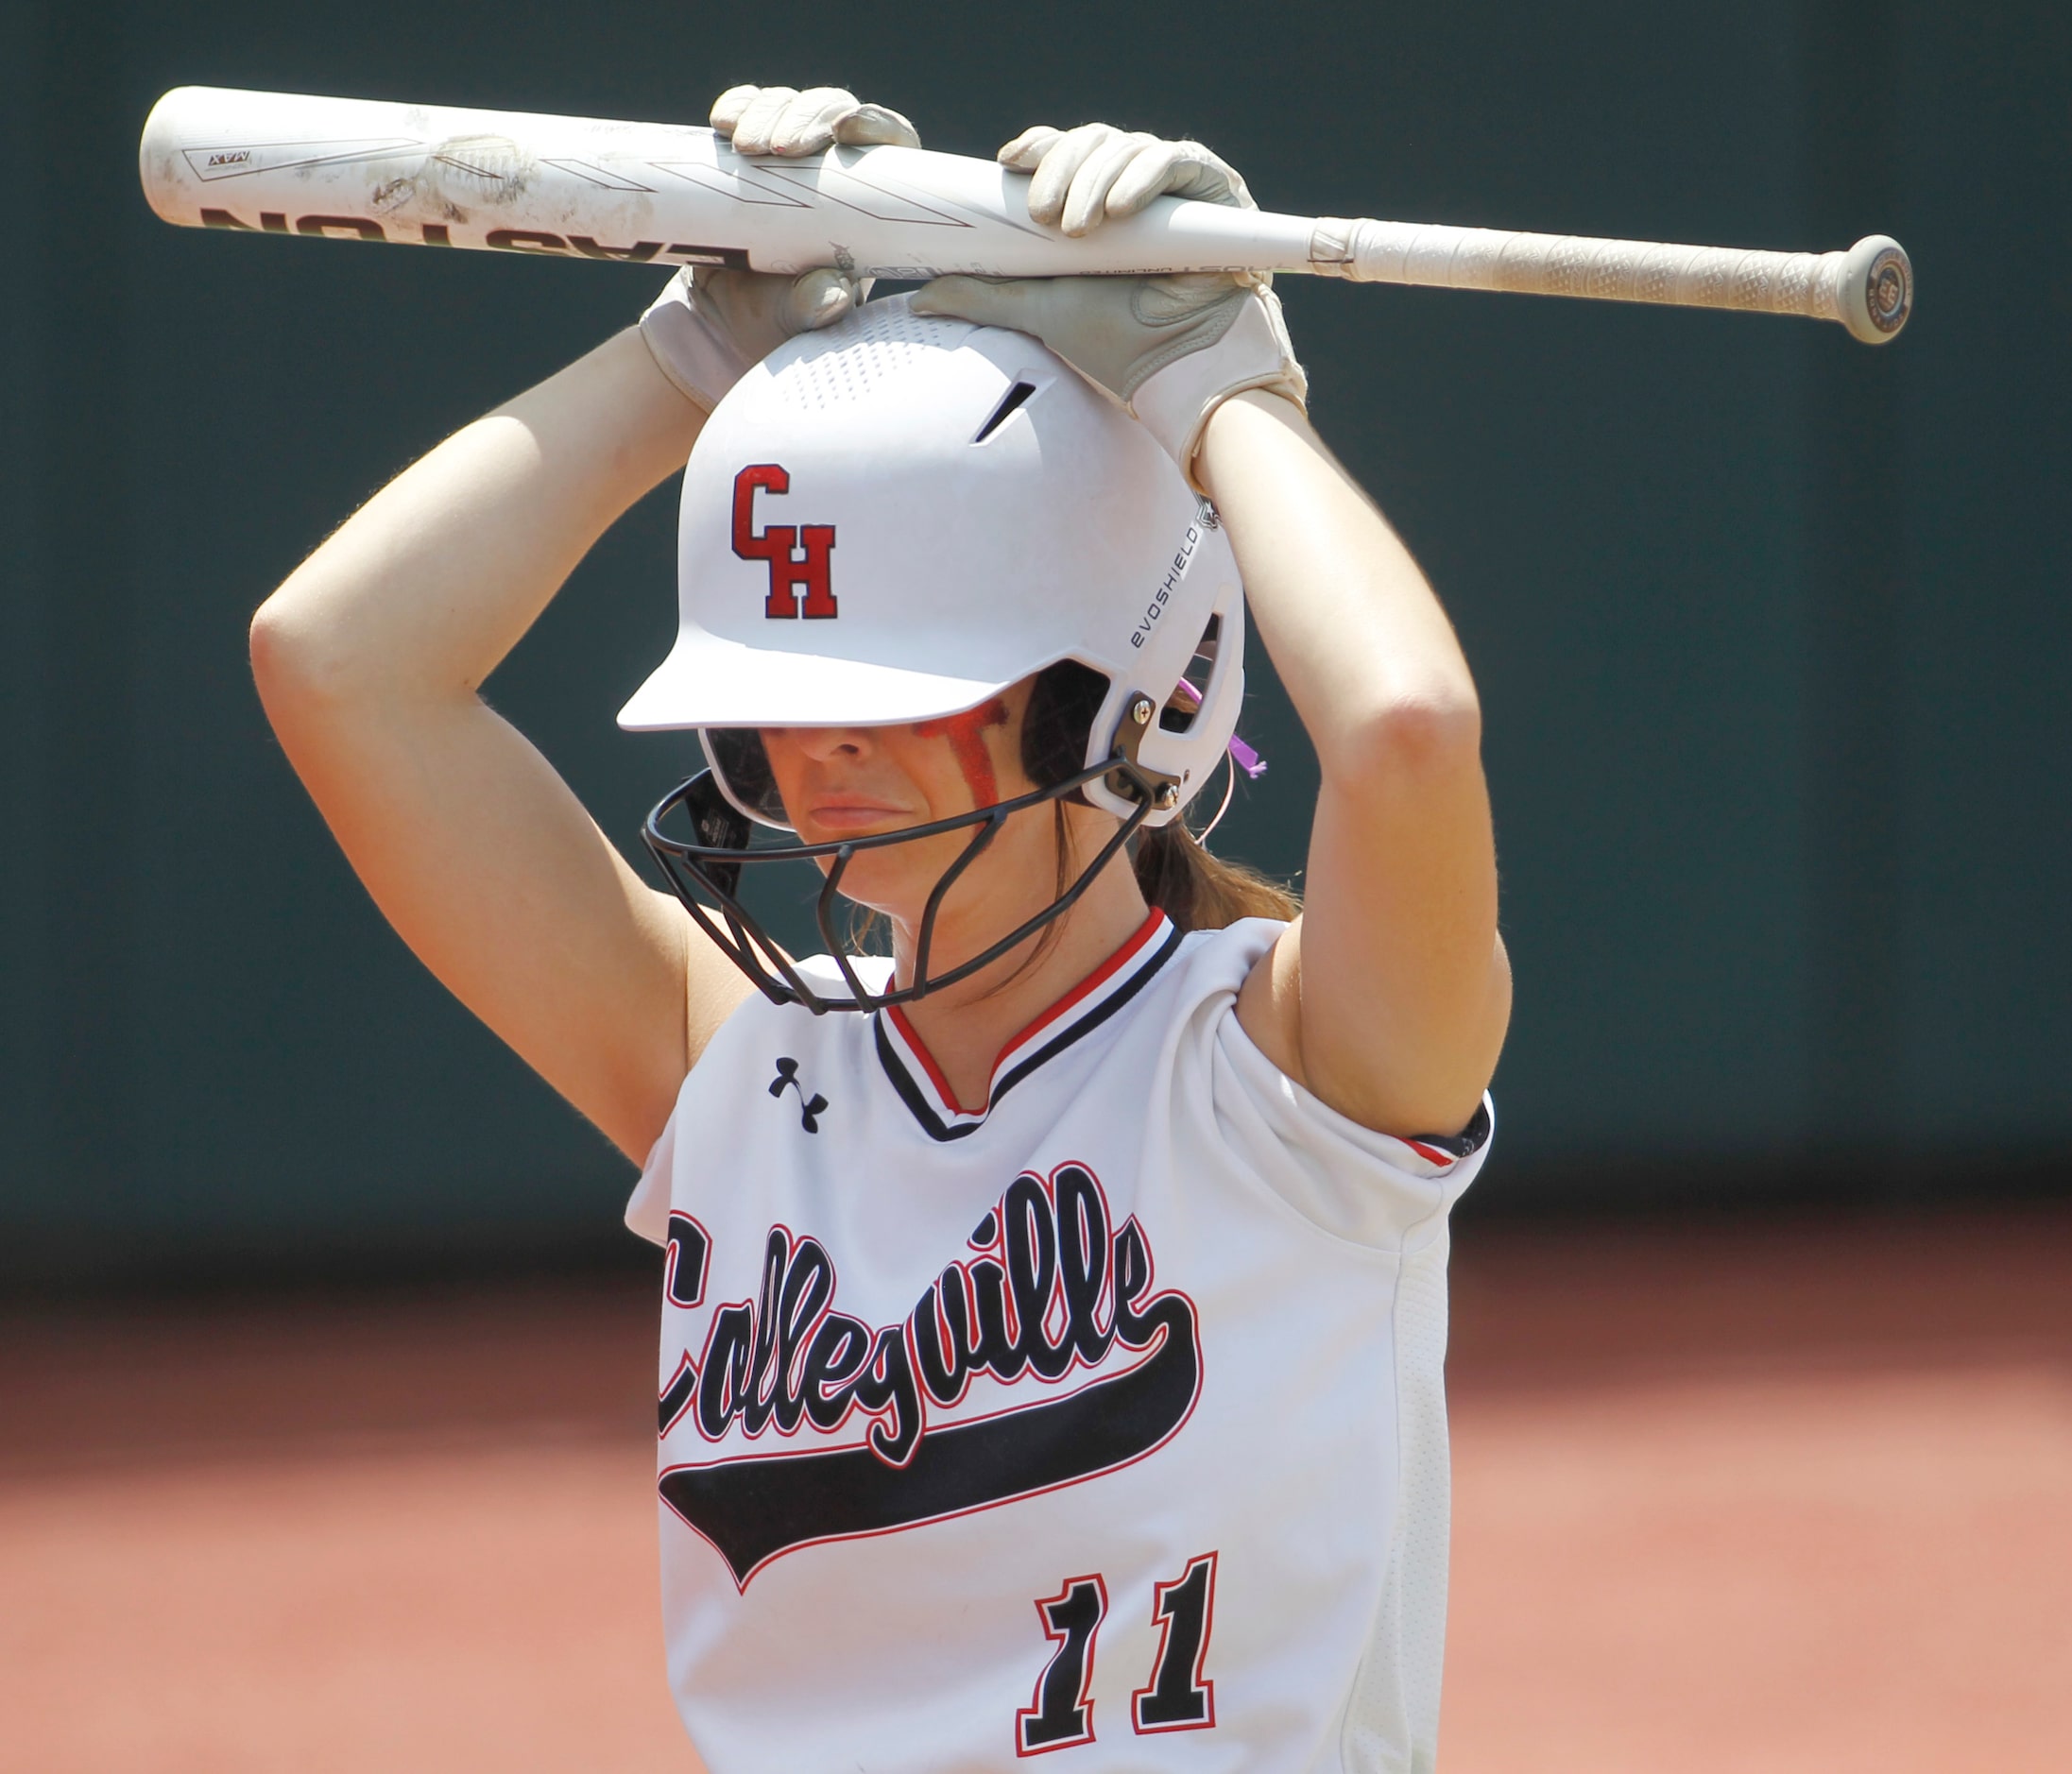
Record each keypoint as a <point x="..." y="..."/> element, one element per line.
<point x="1876" y="289"/>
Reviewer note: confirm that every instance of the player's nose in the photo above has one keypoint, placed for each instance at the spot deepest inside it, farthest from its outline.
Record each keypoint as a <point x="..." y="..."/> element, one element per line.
<point x="824" y="744"/>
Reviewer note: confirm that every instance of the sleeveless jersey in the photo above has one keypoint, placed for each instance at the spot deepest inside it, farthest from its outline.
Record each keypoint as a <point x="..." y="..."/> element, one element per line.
<point x="1104" y="1422"/>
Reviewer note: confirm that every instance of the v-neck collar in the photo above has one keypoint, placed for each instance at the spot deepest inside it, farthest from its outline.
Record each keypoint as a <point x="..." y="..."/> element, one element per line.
<point x="920" y="1081"/>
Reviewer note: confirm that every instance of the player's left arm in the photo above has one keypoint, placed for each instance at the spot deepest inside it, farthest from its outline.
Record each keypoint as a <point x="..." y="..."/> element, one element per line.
<point x="1389" y="997"/>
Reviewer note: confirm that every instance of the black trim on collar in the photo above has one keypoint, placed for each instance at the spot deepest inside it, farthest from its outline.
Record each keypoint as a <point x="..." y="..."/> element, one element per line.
<point x="924" y="1112"/>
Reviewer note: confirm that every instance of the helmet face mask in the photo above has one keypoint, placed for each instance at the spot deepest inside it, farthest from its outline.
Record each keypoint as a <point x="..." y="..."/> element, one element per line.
<point x="706" y="869"/>
<point x="891" y="522"/>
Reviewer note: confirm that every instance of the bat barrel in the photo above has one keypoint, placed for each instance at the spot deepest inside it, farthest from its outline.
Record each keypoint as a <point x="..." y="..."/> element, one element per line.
<point x="671" y="194"/>
<point x="1869" y="289"/>
<point x="639" y="194"/>
<point x="430" y="175"/>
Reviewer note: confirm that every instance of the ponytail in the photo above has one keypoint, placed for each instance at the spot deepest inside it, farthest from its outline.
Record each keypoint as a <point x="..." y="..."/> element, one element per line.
<point x="1176" y="873"/>
<point x="1200" y="891"/>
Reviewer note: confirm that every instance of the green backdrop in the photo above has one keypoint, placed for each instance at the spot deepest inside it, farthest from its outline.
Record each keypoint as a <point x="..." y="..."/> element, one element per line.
<point x="1772" y="629"/>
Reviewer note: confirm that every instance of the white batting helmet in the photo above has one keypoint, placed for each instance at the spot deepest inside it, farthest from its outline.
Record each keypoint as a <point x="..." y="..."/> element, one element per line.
<point x="894" y="518"/>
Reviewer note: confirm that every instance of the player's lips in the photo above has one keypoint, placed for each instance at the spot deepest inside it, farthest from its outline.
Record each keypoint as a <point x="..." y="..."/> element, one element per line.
<point x="857" y="812"/>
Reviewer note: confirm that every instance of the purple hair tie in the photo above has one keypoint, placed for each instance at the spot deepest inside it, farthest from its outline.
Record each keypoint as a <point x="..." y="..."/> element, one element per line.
<point x="1246" y="758"/>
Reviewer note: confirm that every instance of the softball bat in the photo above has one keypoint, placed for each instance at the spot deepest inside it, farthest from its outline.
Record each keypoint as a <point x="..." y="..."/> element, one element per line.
<point x="675" y="194"/>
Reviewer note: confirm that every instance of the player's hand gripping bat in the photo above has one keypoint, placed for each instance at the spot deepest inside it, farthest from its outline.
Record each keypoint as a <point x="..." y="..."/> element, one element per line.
<point x="649" y="192"/>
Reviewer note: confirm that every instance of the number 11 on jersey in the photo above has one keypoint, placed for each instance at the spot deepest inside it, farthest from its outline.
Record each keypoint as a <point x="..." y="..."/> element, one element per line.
<point x="1177" y="1697"/>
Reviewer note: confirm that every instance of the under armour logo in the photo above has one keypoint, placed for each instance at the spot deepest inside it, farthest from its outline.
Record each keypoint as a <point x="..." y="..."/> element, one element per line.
<point x="789" y="575"/>
<point x="809" y="1108"/>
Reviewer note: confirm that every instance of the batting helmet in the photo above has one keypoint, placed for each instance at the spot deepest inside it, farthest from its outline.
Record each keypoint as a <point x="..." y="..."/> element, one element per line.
<point x="893" y="521"/>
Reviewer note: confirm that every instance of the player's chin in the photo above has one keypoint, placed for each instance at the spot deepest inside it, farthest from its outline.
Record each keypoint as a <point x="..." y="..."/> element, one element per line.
<point x="898" y="879"/>
<point x="893" y="880"/>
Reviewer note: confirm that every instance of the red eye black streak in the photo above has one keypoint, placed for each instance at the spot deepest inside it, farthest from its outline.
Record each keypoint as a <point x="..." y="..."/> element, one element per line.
<point x="966" y="733"/>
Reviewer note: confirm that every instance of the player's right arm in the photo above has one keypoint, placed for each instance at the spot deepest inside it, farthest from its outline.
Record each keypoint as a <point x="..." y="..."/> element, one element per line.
<point x="370" y="661"/>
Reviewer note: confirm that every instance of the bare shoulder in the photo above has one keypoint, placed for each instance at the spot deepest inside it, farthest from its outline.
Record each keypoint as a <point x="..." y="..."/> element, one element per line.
<point x="1271" y="1012"/>
<point x="714" y="989"/>
<point x="1269" y="1003"/>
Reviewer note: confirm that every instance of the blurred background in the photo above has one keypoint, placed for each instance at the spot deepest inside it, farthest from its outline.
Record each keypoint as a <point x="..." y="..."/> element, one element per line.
<point x="1763" y="1367"/>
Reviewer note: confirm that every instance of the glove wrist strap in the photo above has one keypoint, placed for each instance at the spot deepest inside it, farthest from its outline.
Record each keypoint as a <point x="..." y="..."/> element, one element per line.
<point x="702" y="361"/>
<point x="1175" y="404"/>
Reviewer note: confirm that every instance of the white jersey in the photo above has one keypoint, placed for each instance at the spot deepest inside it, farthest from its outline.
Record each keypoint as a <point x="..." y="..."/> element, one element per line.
<point x="1105" y="1421"/>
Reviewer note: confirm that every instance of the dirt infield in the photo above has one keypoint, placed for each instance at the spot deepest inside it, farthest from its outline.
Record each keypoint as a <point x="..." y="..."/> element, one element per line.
<point x="1740" y="1502"/>
<point x="1728" y="1501"/>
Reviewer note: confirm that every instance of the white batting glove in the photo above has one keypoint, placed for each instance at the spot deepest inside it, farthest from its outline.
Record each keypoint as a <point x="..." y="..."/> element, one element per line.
<point x="1169" y="350"/>
<point x="711" y="325"/>
<point x="784" y="120"/>
<point x="1084" y="176"/>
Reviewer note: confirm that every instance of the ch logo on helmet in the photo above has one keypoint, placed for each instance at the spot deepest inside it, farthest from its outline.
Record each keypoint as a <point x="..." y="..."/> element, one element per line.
<point x="791" y="572"/>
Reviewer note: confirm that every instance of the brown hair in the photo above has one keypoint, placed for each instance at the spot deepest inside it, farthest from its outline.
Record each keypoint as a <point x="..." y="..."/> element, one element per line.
<point x="1201" y="892"/>
<point x="1174" y="872"/>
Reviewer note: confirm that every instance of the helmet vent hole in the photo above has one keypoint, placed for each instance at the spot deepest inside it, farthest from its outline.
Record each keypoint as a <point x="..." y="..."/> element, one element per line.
<point x="880" y="340"/>
<point x="1010" y="403"/>
<point x="1184" y="707"/>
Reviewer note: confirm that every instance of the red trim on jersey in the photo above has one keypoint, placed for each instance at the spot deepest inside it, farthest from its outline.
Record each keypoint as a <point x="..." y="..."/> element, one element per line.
<point x="1154" y="923"/>
<point x="916" y="1047"/>
<point x="1431" y="1152"/>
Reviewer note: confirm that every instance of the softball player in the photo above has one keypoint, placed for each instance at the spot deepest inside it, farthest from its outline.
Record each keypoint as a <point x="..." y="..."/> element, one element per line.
<point x="1054" y="1310"/>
